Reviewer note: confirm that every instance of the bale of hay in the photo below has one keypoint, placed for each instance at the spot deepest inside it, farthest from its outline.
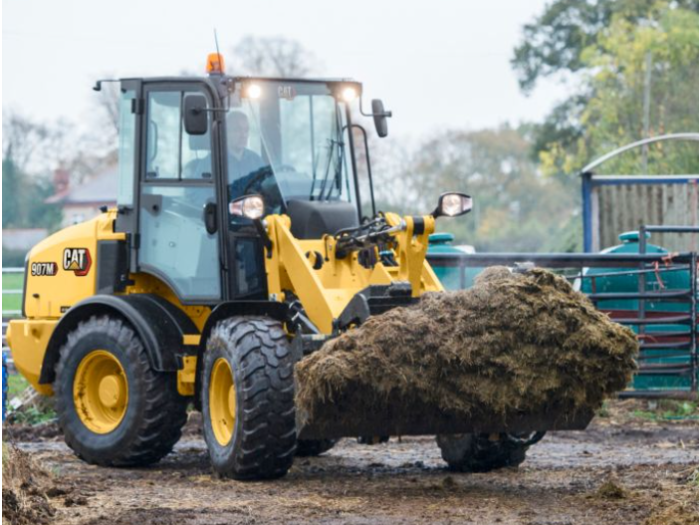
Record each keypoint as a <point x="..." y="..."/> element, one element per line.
<point x="24" y="487"/>
<point x="515" y="343"/>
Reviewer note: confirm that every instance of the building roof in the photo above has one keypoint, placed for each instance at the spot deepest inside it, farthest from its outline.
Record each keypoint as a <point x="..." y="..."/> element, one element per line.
<point x="100" y="189"/>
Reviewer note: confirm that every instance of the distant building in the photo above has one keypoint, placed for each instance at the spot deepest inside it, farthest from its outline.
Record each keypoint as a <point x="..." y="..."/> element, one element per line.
<point x="83" y="202"/>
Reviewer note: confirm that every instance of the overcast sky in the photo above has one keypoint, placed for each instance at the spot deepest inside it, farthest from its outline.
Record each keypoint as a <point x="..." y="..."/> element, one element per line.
<point x="435" y="63"/>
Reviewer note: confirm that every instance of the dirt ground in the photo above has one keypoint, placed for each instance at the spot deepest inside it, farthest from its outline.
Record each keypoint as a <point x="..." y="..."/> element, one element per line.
<point x="623" y="469"/>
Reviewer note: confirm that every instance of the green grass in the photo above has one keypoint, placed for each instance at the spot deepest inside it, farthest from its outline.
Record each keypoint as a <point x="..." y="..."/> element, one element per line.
<point x="34" y="416"/>
<point x="670" y="409"/>
<point x="12" y="281"/>
<point x="16" y="385"/>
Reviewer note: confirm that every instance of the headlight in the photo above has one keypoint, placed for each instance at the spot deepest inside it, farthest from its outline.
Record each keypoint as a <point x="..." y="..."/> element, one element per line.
<point x="253" y="91"/>
<point x="251" y="206"/>
<point x="452" y="205"/>
<point x="349" y="94"/>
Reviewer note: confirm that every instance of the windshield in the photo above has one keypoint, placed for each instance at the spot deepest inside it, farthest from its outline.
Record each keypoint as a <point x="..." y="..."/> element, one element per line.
<point x="288" y="140"/>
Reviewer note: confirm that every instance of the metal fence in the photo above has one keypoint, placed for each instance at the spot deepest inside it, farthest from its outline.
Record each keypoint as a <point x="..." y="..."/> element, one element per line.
<point x="618" y="203"/>
<point x="10" y="313"/>
<point x="663" y="353"/>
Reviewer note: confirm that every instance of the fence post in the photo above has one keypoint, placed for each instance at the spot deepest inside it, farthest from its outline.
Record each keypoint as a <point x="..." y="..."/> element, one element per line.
<point x="586" y="186"/>
<point x="642" y="278"/>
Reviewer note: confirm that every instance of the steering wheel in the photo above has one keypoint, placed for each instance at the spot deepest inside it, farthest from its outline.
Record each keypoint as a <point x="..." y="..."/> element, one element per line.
<point x="264" y="182"/>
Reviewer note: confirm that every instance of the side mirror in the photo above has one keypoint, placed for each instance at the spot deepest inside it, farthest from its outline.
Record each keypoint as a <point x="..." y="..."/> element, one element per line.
<point x="380" y="116"/>
<point x="453" y="205"/>
<point x="249" y="206"/>
<point x="196" y="119"/>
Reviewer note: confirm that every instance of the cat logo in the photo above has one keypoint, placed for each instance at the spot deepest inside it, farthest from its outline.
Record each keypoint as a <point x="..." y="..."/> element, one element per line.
<point x="287" y="92"/>
<point x="77" y="260"/>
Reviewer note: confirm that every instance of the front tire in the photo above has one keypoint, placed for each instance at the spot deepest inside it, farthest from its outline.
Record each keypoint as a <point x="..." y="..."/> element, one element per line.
<point x="248" y="399"/>
<point x="113" y="408"/>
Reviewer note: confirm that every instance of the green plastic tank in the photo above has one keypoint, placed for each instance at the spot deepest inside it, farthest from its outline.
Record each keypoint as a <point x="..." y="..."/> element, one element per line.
<point x="449" y="276"/>
<point x="676" y="280"/>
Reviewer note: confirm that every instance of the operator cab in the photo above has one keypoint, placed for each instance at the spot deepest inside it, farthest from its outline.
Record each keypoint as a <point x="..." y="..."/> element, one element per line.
<point x="191" y="146"/>
<point x="288" y="141"/>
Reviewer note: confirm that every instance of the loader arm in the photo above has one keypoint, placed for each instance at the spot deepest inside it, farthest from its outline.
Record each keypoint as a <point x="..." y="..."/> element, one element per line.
<point x="325" y="282"/>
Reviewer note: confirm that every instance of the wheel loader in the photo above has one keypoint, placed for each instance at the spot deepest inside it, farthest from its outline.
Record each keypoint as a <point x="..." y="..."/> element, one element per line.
<point x="244" y="237"/>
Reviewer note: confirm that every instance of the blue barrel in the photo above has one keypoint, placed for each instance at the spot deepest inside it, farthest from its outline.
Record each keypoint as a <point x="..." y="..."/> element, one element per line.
<point x="4" y="385"/>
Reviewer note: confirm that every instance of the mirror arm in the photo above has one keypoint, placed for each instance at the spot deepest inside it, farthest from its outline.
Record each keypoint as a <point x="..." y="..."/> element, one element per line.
<point x="387" y="114"/>
<point x="98" y="83"/>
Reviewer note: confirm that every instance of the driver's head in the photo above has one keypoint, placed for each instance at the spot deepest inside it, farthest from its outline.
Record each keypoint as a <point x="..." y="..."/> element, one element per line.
<point x="238" y="131"/>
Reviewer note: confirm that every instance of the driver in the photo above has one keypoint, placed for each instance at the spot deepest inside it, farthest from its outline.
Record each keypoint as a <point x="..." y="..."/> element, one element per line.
<point x="243" y="163"/>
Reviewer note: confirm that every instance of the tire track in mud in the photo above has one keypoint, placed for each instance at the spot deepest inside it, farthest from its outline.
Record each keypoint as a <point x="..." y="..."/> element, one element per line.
<point x="398" y="482"/>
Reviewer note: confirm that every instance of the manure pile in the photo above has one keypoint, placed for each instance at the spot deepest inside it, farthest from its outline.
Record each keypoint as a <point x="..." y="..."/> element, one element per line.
<point x="24" y="489"/>
<point x="515" y="343"/>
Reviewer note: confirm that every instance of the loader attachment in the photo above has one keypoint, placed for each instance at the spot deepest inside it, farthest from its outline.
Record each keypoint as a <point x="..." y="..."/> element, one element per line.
<point x="517" y="353"/>
<point x="326" y="423"/>
<point x="382" y="349"/>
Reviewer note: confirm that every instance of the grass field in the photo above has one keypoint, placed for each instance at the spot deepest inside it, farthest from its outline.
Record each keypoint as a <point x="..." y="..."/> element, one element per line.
<point x="12" y="281"/>
<point x="16" y="385"/>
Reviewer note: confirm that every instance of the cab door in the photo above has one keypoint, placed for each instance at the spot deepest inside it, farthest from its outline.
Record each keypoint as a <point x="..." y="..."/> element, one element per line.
<point x="177" y="183"/>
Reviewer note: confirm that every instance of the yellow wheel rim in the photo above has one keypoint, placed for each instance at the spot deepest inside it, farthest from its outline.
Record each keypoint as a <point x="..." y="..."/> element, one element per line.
<point x="100" y="391"/>
<point x="222" y="401"/>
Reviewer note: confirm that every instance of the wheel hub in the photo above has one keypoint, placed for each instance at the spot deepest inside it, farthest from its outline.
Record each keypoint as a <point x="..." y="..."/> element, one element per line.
<point x="110" y="391"/>
<point x="222" y="401"/>
<point x="100" y="391"/>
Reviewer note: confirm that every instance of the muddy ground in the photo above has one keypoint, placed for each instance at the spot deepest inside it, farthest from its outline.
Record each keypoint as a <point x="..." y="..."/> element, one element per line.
<point x="623" y="469"/>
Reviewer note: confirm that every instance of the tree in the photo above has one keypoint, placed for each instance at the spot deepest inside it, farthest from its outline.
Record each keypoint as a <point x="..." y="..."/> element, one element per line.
<point x="30" y="152"/>
<point x="31" y="145"/>
<point x="515" y="208"/>
<point x="23" y="200"/>
<point x="555" y="41"/>
<point x="274" y="57"/>
<point x="107" y="102"/>
<point x="660" y="56"/>
<point x="12" y="212"/>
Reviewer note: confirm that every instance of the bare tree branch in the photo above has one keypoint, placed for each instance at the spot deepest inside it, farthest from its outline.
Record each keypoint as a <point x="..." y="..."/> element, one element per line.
<point x="273" y="56"/>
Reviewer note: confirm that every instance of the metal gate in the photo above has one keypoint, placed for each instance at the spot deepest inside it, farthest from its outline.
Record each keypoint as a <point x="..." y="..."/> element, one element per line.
<point x="668" y="336"/>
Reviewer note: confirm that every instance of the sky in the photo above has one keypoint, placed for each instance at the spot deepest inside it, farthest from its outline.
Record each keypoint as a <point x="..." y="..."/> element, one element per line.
<point x="436" y="64"/>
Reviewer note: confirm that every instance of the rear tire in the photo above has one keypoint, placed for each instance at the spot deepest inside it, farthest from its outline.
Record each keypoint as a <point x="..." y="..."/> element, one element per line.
<point x="477" y="453"/>
<point x="248" y="399"/>
<point x="103" y="355"/>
